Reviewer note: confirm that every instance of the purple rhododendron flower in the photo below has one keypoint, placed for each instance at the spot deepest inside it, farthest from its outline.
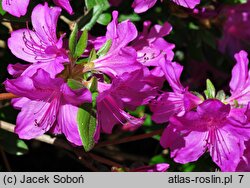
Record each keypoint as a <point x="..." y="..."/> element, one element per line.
<point x="177" y="102"/>
<point x="222" y="129"/>
<point x="19" y="8"/>
<point x="130" y="90"/>
<point x="120" y="57"/>
<point x="152" y="48"/>
<point x="212" y="128"/>
<point x="47" y="105"/>
<point x="236" y="29"/>
<point x="40" y="47"/>
<point x="143" y="5"/>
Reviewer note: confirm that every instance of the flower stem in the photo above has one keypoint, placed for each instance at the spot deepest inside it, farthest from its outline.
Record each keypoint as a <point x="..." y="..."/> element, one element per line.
<point x="6" y="96"/>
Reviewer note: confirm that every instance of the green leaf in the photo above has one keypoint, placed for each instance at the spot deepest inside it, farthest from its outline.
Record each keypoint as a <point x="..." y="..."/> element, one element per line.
<point x="234" y="1"/>
<point x="105" y="48"/>
<point x="192" y="26"/>
<point x="11" y="144"/>
<point x="82" y="61"/>
<point x="98" y="7"/>
<point x="74" y="84"/>
<point x="221" y="95"/>
<point x="82" y="44"/>
<point x="92" y="3"/>
<point x="92" y="55"/>
<point x="2" y="12"/>
<point x="157" y="159"/>
<point x="198" y="95"/>
<point x="94" y="84"/>
<point x="132" y="17"/>
<point x="73" y="40"/>
<point x="94" y="96"/>
<point x="210" y="91"/>
<point x="189" y="167"/>
<point x="104" y="19"/>
<point x="86" y="121"/>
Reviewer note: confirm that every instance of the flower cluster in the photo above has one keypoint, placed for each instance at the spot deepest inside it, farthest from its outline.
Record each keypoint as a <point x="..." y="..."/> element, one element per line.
<point x="113" y="81"/>
<point x="84" y="86"/>
<point x="219" y="124"/>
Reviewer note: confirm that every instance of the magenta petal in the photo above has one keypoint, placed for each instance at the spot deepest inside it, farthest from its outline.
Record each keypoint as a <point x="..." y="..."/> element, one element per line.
<point x="64" y="4"/>
<point x="120" y="57"/>
<point x="67" y="117"/>
<point x="185" y="146"/>
<point x="110" y="113"/>
<point x="39" y="86"/>
<point x="131" y="94"/>
<point x="18" y="103"/>
<point x="195" y="146"/>
<point x="213" y="108"/>
<point x="54" y="68"/>
<point x="244" y="165"/>
<point x="240" y="72"/>
<point x="36" y="118"/>
<point x="118" y="63"/>
<point x="228" y="152"/>
<point x="240" y="82"/>
<point x="167" y="105"/>
<point x="16" y="69"/>
<point x="143" y="5"/>
<point x="23" y="49"/>
<point x="44" y="21"/>
<point x="76" y="97"/>
<point x="15" y="7"/>
<point x="120" y="33"/>
<point x="20" y="86"/>
<point x="172" y="73"/>
<point x="159" y="31"/>
<point x="187" y="3"/>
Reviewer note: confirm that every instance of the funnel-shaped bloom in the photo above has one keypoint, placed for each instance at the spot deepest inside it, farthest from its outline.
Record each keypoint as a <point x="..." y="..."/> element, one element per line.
<point x="151" y="46"/>
<point x="49" y="105"/>
<point x="177" y="102"/>
<point x="19" y="8"/>
<point x="213" y="128"/>
<point x="127" y="91"/>
<point x="120" y="58"/>
<point x="41" y="45"/>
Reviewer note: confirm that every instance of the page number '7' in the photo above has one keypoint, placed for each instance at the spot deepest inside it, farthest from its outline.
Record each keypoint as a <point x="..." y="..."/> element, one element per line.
<point x="241" y="178"/>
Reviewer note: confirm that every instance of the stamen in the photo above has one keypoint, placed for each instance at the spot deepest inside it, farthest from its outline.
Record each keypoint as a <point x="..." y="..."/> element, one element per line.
<point x="48" y="117"/>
